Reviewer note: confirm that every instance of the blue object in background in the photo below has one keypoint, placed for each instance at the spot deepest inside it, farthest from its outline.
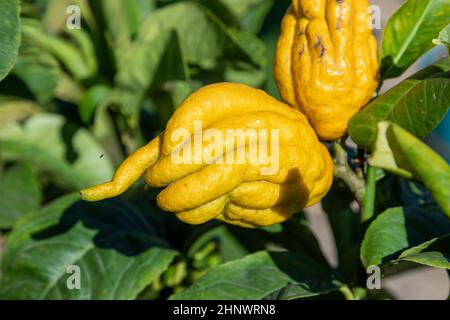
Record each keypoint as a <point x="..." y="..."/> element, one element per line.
<point x="439" y="139"/>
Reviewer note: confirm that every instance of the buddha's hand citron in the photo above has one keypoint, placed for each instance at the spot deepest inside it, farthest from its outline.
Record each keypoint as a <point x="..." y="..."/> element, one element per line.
<point x="228" y="184"/>
<point x="326" y="62"/>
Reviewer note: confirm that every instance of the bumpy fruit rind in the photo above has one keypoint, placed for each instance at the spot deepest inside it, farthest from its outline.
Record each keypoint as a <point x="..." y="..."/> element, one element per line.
<point x="326" y="62"/>
<point x="237" y="193"/>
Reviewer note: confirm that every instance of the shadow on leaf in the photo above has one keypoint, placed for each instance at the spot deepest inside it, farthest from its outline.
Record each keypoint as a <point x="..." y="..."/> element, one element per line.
<point x="117" y="226"/>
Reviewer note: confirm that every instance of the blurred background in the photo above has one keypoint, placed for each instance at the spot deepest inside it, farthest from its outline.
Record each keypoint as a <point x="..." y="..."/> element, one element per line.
<point x="90" y="96"/>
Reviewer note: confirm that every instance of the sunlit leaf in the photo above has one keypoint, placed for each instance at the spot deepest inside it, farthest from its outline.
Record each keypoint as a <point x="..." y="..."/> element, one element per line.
<point x="409" y="34"/>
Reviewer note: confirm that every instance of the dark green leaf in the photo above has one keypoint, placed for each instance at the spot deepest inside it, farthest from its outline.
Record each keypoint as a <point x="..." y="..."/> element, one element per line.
<point x="39" y="71"/>
<point x="229" y="247"/>
<point x="394" y="191"/>
<point x="91" y="100"/>
<point x="398" y="229"/>
<point x="9" y="35"/>
<point x="293" y="235"/>
<point x="19" y="194"/>
<point x="118" y="252"/>
<point x="434" y="253"/>
<point x="158" y="56"/>
<point x="204" y="47"/>
<point x="417" y="104"/>
<point x="259" y="275"/>
<point x="122" y="19"/>
<point x="409" y="34"/>
<point x="250" y="13"/>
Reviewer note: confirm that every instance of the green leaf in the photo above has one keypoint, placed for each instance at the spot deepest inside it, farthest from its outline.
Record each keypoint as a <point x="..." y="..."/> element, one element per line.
<point x="229" y="247"/>
<point x="47" y="142"/>
<point x="409" y="34"/>
<point x="398" y="151"/>
<point x="398" y="229"/>
<point x="79" y="61"/>
<point x="434" y="253"/>
<point x="293" y="235"/>
<point x="259" y="275"/>
<point x="246" y="74"/>
<point x="117" y="251"/>
<point x="13" y="109"/>
<point x="166" y="44"/>
<point x="92" y="99"/>
<point x="394" y="191"/>
<point x="39" y="71"/>
<point x="444" y="37"/>
<point x="9" y="35"/>
<point x="418" y="104"/>
<point x="19" y="194"/>
<point x="250" y="13"/>
<point x="151" y="62"/>
<point x="122" y="19"/>
<point x="206" y="46"/>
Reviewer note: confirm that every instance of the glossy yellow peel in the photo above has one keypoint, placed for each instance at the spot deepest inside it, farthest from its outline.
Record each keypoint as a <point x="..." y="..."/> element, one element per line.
<point x="326" y="62"/>
<point x="237" y="193"/>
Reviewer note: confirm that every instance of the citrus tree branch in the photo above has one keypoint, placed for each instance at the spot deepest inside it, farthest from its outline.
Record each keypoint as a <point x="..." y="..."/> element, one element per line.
<point x="343" y="171"/>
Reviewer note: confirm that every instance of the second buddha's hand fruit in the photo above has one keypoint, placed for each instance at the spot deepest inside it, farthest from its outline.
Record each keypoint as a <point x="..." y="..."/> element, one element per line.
<point x="242" y="192"/>
<point x="326" y="62"/>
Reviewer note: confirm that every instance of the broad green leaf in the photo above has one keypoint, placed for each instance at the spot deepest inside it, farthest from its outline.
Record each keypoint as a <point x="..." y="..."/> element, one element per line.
<point x="398" y="229"/>
<point x="224" y="242"/>
<point x="259" y="275"/>
<point x="73" y="158"/>
<point x="234" y="242"/>
<point x="394" y="191"/>
<point x="78" y="60"/>
<point x="84" y="44"/>
<point x="117" y="251"/>
<point x="398" y="151"/>
<point x="9" y="35"/>
<point x="409" y="34"/>
<point x="38" y="70"/>
<point x="250" y="13"/>
<point x="246" y="74"/>
<point x="151" y="62"/>
<point x="434" y="253"/>
<point x="166" y="44"/>
<point x="293" y="235"/>
<point x="417" y="104"/>
<point x="202" y="47"/>
<point x="92" y="99"/>
<point x="19" y="194"/>
<point x="444" y="37"/>
<point x="221" y="11"/>
<point x="247" y="47"/>
<point x="122" y="20"/>
<point x="206" y="46"/>
<point x="13" y="109"/>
